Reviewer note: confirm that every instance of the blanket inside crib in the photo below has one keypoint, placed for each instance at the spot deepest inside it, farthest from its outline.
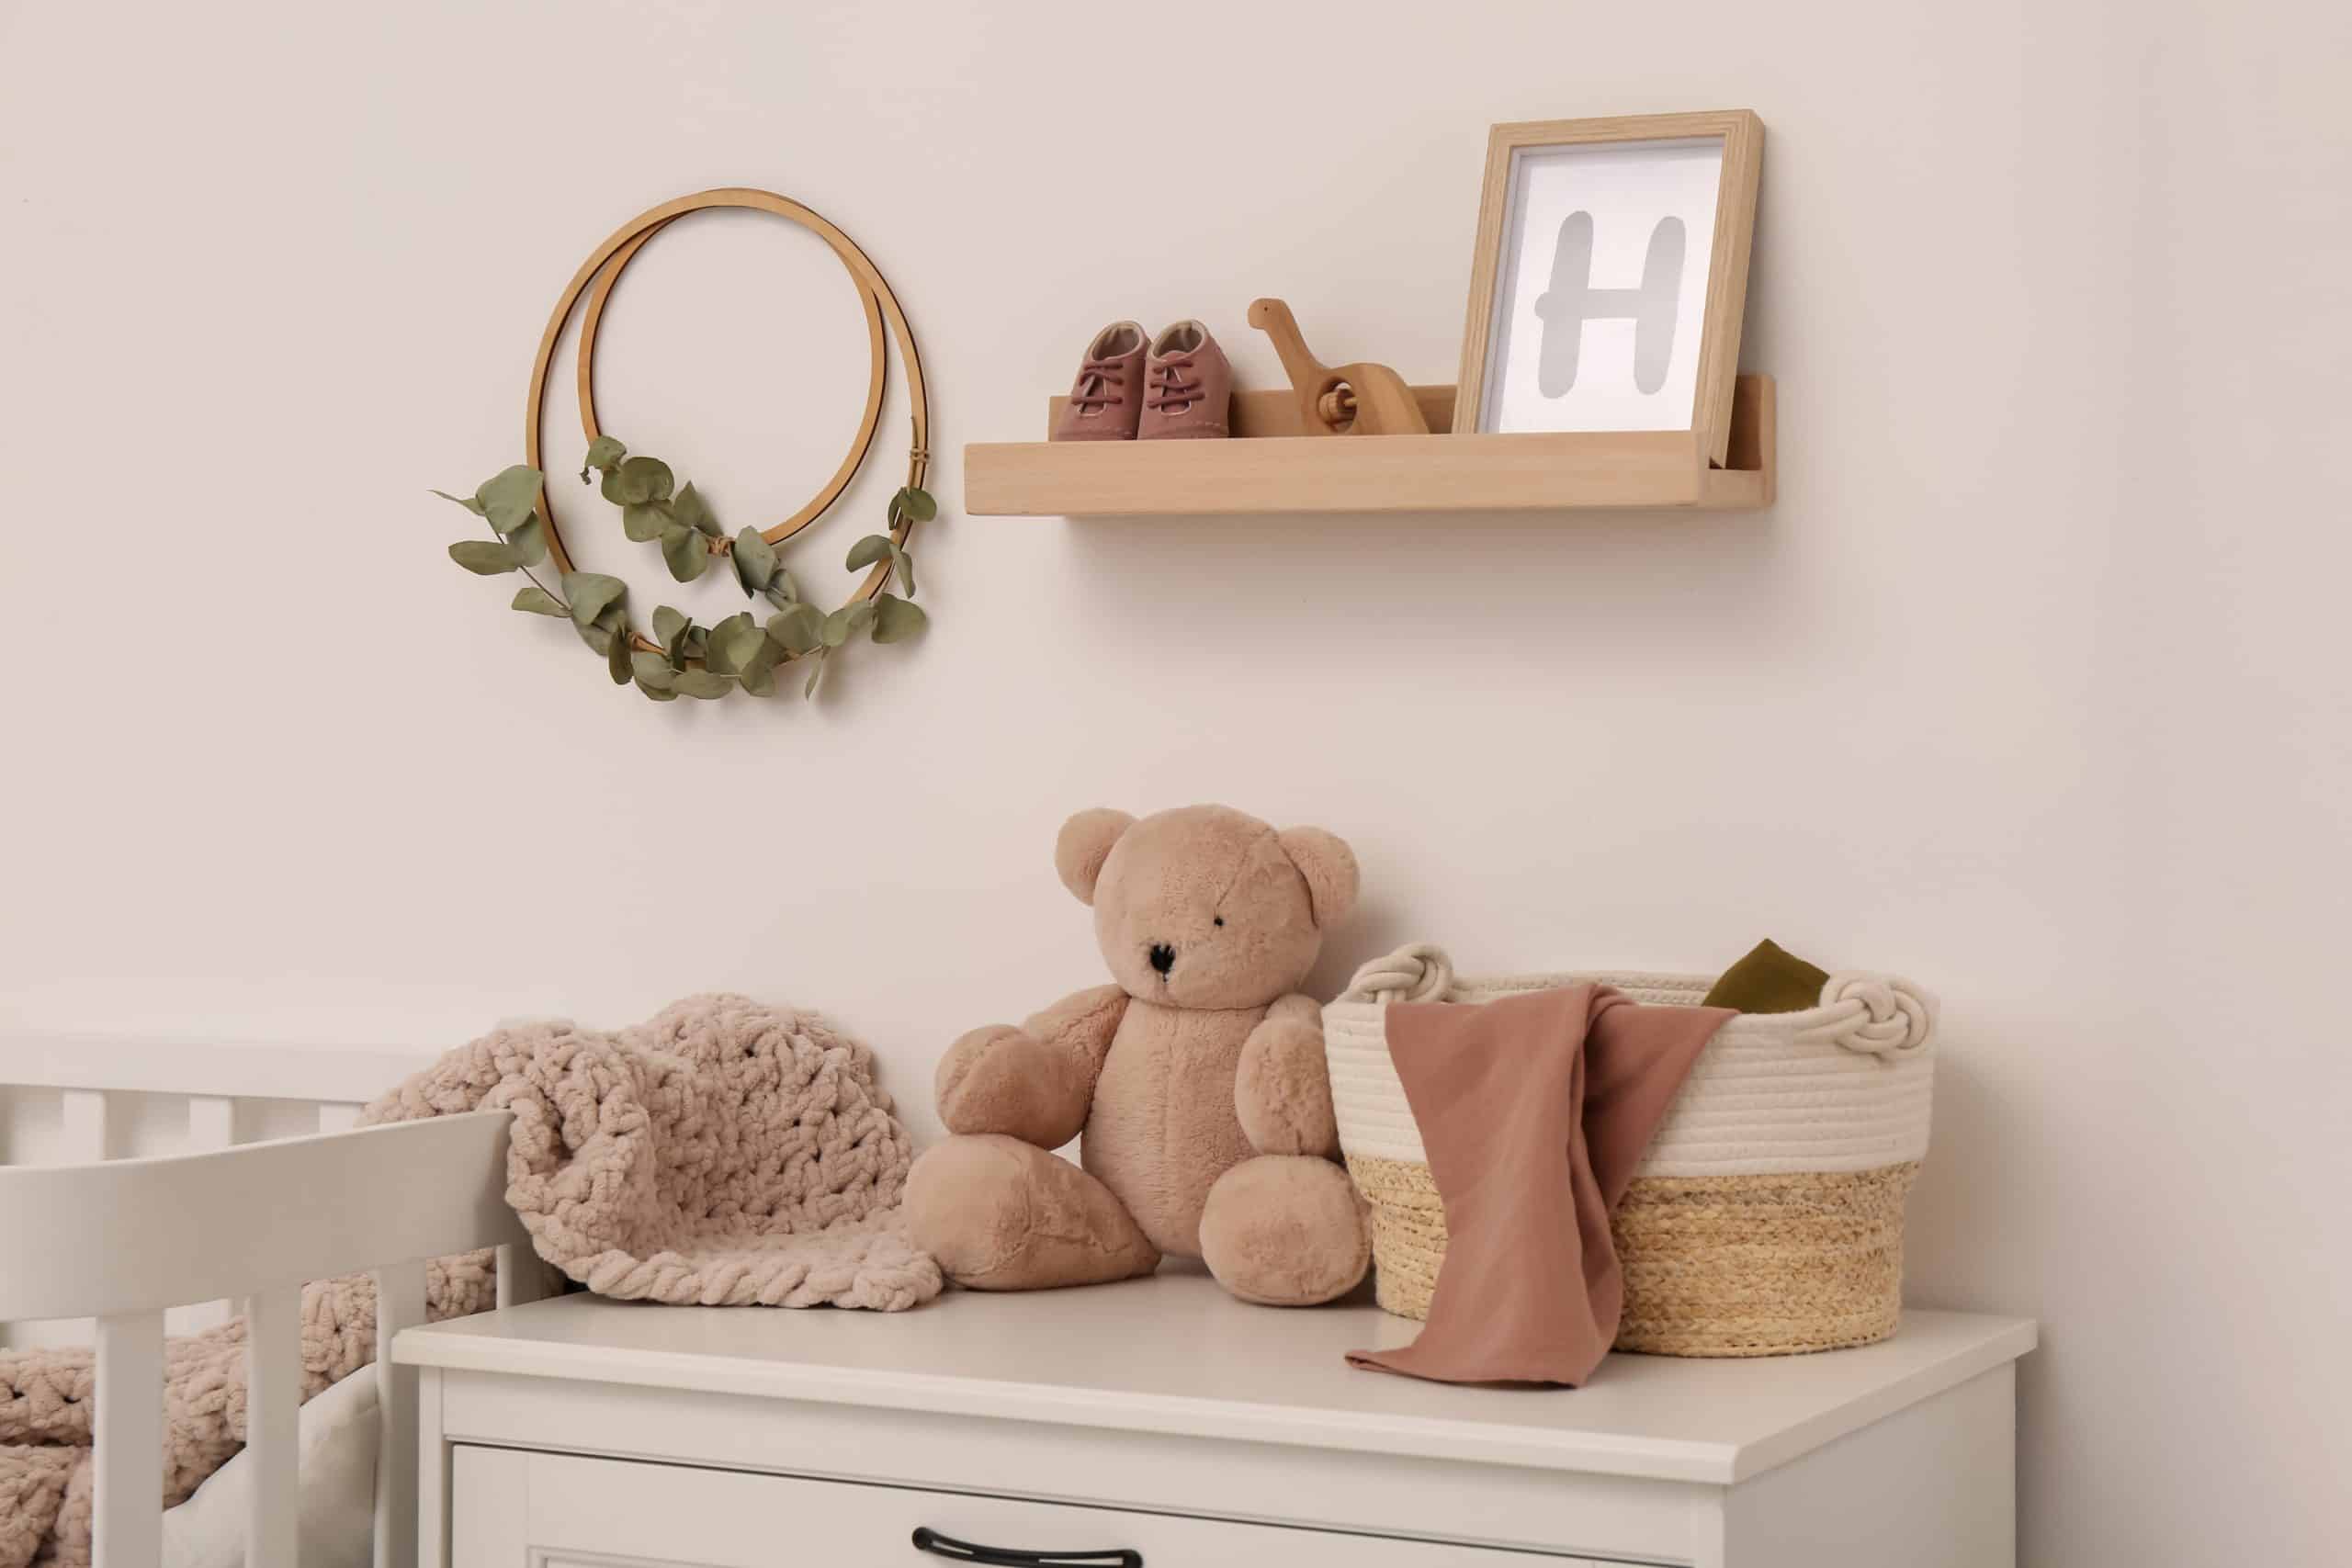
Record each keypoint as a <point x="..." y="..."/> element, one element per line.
<point x="725" y="1153"/>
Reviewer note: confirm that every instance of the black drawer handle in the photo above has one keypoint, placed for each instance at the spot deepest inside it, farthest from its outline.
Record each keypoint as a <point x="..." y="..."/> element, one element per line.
<point x="938" y="1545"/>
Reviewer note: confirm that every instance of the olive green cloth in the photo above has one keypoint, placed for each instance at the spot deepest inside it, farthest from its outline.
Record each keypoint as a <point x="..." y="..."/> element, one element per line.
<point x="1770" y="980"/>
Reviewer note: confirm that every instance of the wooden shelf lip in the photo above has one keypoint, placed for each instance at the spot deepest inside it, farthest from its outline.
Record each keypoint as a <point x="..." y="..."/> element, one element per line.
<point x="1270" y="472"/>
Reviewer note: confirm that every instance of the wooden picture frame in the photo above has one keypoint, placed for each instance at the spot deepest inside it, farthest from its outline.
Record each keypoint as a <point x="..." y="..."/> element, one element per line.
<point x="1521" y="355"/>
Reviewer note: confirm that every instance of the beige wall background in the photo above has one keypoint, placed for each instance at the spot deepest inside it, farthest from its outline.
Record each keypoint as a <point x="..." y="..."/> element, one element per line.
<point x="2031" y="686"/>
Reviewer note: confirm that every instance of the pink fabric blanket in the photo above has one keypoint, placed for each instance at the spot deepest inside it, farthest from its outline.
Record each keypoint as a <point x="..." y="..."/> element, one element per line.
<point x="1535" y="1110"/>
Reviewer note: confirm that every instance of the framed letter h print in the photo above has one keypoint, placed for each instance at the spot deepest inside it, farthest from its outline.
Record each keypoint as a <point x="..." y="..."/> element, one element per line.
<point x="1609" y="276"/>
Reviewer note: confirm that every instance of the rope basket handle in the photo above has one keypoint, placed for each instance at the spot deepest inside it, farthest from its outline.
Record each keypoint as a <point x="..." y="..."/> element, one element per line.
<point x="1874" y="1015"/>
<point x="1418" y="972"/>
<point x="1871" y="1015"/>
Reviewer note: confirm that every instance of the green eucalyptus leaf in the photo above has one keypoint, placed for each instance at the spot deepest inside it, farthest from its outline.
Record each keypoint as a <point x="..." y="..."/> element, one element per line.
<point x="592" y="594"/>
<point x="861" y="614"/>
<point x="816" y="674"/>
<point x="755" y="562"/>
<point x="658" y="693"/>
<point x="645" y="520"/>
<point x="603" y="453"/>
<point x="733" y="643"/>
<point x="613" y="622"/>
<point x="696" y="644"/>
<point x="905" y="564"/>
<point x="703" y="683"/>
<point x="529" y="541"/>
<point x="487" y="557"/>
<point x="537" y="600"/>
<point x="667" y="625"/>
<point x="759" y="676"/>
<point x="619" y="661"/>
<point x="692" y="510"/>
<point x="653" y="669"/>
<point x="638" y="481"/>
<point x="866" y="551"/>
<point x="836" y="629"/>
<point x="920" y="503"/>
<point x="468" y="502"/>
<point x="798" y="627"/>
<point x="782" y="591"/>
<point x="509" y="497"/>
<point x="683" y="548"/>
<point x="896" y="619"/>
<point x="746" y="642"/>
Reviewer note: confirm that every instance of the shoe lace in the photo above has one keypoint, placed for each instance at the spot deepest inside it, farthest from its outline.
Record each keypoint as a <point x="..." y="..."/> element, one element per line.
<point x="1094" y="376"/>
<point x="1173" y="393"/>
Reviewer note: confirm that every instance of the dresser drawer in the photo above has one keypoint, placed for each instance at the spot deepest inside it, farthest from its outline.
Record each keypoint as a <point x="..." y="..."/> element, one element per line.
<point x="513" y="1508"/>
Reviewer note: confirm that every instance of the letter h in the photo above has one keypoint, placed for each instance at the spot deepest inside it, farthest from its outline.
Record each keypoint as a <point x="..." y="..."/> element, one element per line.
<point x="1572" y="301"/>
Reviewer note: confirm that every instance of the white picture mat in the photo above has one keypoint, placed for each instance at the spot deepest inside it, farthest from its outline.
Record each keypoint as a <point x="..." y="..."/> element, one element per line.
<point x="1627" y="186"/>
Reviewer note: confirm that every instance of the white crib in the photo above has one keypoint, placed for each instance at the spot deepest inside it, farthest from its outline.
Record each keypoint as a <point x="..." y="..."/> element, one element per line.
<point x="150" y="1179"/>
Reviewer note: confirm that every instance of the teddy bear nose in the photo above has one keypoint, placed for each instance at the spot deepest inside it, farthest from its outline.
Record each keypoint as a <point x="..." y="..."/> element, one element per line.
<point x="1163" y="957"/>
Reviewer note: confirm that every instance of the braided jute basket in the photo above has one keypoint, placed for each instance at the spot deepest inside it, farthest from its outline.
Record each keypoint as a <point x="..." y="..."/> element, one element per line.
<point x="1767" y="1217"/>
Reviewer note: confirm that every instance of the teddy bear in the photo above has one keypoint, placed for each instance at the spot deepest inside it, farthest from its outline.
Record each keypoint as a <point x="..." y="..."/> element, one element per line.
<point x="1197" y="1078"/>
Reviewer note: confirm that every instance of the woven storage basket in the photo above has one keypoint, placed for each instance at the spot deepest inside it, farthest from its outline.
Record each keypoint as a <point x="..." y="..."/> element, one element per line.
<point x="1767" y="1217"/>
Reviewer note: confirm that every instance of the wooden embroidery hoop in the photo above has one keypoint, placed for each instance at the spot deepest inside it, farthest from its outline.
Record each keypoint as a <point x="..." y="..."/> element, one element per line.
<point x="603" y="270"/>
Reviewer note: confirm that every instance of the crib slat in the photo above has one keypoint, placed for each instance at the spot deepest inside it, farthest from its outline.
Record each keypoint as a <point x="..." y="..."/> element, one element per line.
<point x="89" y="1125"/>
<point x="128" y="1502"/>
<point x="338" y="1118"/>
<point x="211" y="1124"/>
<point x="520" y="1276"/>
<point x="400" y="1304"/>
<point x="273" y="1436"/>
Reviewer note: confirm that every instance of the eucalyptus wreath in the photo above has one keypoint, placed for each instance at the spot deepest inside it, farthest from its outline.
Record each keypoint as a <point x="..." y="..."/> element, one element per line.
<point x="681" y="658"/>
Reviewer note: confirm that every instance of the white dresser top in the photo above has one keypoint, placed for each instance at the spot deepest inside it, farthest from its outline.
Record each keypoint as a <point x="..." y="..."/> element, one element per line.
<point x="1175" y="1354"/>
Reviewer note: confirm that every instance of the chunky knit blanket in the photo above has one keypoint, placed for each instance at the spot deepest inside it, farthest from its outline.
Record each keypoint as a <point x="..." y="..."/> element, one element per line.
<point x="725" y="1153"/>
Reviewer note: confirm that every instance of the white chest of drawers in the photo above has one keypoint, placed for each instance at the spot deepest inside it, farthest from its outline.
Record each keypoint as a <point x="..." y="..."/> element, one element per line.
<point x="1160" y="1423"/>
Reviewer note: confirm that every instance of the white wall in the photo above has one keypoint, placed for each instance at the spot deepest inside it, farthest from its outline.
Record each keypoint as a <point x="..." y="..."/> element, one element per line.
<point x="2031" y="685"/>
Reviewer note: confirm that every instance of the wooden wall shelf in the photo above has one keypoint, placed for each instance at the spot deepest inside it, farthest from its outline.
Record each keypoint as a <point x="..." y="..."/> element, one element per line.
<point x="1270" y="467"/>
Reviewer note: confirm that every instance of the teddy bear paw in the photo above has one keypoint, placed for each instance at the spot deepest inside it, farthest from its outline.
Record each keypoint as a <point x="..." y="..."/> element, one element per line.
<point x="1000" y="1214"/>
<point x="1286" y="1230"/>
<point x="1003" y="1080"/>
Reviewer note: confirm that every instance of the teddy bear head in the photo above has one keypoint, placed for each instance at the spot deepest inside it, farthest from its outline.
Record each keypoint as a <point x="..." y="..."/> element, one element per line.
<point x="1205" y="907"/>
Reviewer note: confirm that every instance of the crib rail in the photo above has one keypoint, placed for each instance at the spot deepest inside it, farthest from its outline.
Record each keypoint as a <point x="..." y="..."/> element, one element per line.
<point x="123" y="1240"/>
<point x="129" y="1236"/>
<point x="226" y="1070"/>
<point x="73" y="1099"/>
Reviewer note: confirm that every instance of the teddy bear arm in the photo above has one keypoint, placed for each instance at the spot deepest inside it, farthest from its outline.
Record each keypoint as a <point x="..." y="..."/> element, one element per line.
<point x="1297" y="1008"/>
<point x="1281" y="1089"/>
<point x="1036" y="1082"/>
<point x="1081" y="1024"/>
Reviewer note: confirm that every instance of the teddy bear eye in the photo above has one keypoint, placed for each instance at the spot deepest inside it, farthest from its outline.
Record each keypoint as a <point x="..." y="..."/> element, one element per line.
<point x="1220" y="919"/>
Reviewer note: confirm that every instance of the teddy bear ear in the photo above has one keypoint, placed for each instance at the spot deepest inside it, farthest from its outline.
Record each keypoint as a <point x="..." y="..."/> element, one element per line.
<point x="1084" y="844"/>
<point x="1330" y="867"/>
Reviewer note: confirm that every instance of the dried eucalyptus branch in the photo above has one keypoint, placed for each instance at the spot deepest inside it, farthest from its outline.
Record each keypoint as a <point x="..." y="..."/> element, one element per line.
<point x="684" y="659"/>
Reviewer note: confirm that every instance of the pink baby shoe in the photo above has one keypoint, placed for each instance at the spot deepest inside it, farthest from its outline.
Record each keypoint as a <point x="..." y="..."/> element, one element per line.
<point x="1107" y="396"/>
<point x="1188" y="386"/>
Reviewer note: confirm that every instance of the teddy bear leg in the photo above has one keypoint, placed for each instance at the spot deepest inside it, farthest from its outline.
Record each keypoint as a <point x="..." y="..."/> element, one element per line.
<point x="1286" y="1230"/>
<point x="1001" y="1215"/>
